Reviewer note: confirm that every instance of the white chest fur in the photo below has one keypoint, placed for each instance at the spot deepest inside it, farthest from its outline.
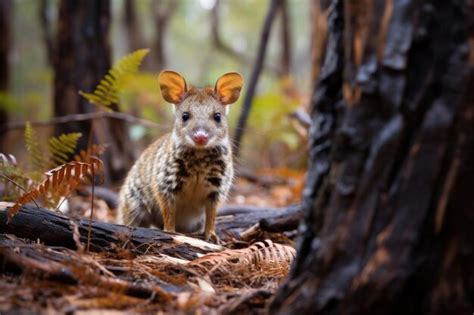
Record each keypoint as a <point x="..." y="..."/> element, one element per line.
<point x="191" y="202"/>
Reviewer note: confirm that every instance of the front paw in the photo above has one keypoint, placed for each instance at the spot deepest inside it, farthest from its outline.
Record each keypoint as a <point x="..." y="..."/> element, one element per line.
<point x="212" y="237"/>
<point x="170" y="229"/>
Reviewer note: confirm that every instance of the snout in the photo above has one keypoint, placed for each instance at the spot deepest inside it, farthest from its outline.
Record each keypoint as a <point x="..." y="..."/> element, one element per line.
<point x="200" y="137"/>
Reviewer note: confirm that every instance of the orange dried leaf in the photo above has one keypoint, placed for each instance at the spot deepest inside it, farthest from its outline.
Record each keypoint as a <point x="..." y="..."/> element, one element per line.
<point x="61" y="179"/>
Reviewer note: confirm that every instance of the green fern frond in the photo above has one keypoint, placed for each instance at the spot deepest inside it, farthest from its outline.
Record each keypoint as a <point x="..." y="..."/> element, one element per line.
<point x="107" y="91"/>
<point x="62" y="147"/>
<point x="36" y="156"/>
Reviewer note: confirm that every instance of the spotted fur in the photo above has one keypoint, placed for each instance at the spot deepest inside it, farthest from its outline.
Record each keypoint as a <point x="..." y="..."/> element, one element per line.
<point x="191" y="179"/>
<point x="175" y="184"/>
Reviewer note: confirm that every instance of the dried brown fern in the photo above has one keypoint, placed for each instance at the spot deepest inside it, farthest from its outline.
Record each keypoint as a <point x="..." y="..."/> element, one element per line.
<point x="266" y="257"/>
<point x="61" y="180"/>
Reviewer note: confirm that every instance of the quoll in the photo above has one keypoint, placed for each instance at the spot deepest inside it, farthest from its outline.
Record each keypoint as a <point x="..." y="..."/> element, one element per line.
<point x="179" y="181"/>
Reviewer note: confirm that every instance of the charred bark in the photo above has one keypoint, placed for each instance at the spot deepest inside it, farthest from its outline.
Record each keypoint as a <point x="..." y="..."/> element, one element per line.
<point x="388" y="211"/>
<point x="54" y="229"/>
<point x="47" y="30"/>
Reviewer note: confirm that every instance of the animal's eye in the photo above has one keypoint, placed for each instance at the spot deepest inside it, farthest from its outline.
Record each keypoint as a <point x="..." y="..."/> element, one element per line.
<point x="185" y="116"/>
<point x="217" y="117"/>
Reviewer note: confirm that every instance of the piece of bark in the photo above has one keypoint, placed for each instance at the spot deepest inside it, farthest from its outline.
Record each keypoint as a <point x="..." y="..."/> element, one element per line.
<point x="237" y="218"/>
<point x="287" y="220"/>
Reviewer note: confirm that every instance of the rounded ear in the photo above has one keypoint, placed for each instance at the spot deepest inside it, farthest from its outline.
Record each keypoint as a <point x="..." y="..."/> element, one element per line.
<point x="228" y="87"/>
<point x="172" y="85"/>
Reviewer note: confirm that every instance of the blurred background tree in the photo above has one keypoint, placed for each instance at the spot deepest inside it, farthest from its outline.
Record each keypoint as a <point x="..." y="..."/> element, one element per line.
<point x="5" y="46"/>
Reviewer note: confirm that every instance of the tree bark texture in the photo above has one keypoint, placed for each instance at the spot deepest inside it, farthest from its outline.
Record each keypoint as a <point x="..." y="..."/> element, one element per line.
<point x="388" y="200"/>
<point x="83" y="58"/>
<point x="5" y="45"/>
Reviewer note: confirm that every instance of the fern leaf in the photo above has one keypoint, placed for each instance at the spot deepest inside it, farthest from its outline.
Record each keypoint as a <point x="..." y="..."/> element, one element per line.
<point x="107" y="91"/>
<point x="63" y="178"/>
<point x="62" y="147"/>
<point x="36" y="156"/>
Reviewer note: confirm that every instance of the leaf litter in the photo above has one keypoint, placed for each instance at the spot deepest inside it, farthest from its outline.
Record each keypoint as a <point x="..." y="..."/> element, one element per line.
<point x="242" y="278"/>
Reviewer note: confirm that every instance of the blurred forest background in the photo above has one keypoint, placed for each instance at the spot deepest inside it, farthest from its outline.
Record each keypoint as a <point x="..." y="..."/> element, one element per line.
<point x="201" y="39"/>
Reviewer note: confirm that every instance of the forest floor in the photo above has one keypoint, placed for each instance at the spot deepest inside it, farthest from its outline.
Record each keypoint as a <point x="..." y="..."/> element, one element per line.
<point x="238" y="277"/>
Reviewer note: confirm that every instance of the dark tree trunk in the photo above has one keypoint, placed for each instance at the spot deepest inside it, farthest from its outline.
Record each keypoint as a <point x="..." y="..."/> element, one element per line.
<point x="132" y="27"/>
<point x="5" y="45"/>
<point x="162" y="13"/>
<point x="47" y="30"/>
<point x="257" y="70"/>
<point x="388" y="201"/>
<point x="285" y="39"/>
<point x="83" y="58"/>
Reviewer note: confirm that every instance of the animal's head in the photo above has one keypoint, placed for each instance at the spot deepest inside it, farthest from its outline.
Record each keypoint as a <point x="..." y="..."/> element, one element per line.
<point x="201" y="113"/>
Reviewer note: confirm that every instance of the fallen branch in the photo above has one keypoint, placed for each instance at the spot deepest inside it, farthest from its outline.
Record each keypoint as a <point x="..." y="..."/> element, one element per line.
<point x="55" y="229"/>
<point x="237" y="218"/>
<point x="286" y="220"/>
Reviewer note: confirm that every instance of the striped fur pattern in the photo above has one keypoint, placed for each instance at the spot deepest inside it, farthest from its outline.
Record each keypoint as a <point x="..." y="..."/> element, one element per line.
<point x="177" y="183"/>
<point x="176" y="176"/>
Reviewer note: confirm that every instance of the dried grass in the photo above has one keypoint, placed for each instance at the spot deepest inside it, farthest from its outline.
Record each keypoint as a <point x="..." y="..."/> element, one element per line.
<point x="230" y="281"/>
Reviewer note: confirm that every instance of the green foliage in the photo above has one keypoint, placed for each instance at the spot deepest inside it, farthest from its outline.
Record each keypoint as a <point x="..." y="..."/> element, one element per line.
<point x="61" y="148"/>
<point x="36" y="156"/>
<point x="269" y="116"/>
<point x="107" y="91"/>
<point x="59" y="152"/>
<point x="141" y="96"/>
<point x="271" y="128"/>
<point x="7" y="102"/>
<point x="55" y="173"/>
